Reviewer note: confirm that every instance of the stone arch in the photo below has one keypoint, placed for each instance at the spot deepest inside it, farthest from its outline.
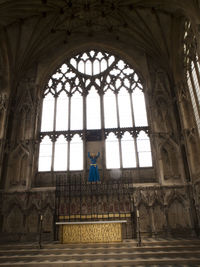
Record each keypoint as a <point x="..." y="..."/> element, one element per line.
<point x="113" y="48"/>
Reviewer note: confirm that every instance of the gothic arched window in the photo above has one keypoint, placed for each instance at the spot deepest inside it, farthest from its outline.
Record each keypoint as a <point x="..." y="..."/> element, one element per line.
<point x="94" y="96"/>
<point x="192" y="64"/>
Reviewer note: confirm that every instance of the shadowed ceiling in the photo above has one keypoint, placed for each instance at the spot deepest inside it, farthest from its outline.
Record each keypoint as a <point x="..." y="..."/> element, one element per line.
<point x="30" y="29"/>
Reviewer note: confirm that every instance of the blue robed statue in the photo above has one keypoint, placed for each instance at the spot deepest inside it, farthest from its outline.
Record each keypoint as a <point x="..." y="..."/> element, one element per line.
<point x="93" y="172"/>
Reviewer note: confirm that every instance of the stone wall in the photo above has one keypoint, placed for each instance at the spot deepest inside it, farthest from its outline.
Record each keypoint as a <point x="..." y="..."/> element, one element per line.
<point x="21" y="214"/>
<point x="164" y="212"/>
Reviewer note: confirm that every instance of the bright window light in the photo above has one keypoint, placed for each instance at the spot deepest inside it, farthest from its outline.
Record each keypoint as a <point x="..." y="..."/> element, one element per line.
<point x="128" y="151"/>
<point x="112" y="152"/>
<point x="76" y="112"/>
<point x="87" y="96"/>
<point x="93" y="110"/>
<point x="124" y="108"/>
<point x="62" y="112"/>
<point x="110" y="112"/>
<point x="45" y="155"/>
<point x="60" y="157"/>
<point x="76" y="153"/>
<point x="144" y="150"/>
<point x="139" y="108"/>
<point x="48" y="113"/>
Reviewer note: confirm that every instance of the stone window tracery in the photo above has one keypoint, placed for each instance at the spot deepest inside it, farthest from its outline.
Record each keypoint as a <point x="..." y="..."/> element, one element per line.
<point x="94" y="96"/>
<point x="193" y="70"/>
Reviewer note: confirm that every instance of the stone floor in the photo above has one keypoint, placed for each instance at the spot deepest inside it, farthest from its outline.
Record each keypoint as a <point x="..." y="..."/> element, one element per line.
<point x="152" y="252"/>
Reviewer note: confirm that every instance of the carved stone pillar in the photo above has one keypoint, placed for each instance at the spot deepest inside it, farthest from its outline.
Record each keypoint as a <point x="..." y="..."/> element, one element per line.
<point x="3" y="114"/>
<point x="165" y="208"/>
<point x="153" y="228"/>
<point x="21" y="135"/>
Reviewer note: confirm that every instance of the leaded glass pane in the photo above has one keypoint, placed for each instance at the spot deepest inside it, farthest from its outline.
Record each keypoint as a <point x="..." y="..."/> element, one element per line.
<point x="62" y="112"/>
<point x="93" y="110"/>
<point x="45" y="155"/>
<point x="125" y="117"/>
<point x="47" y="113"/>
<point x="144" y="150"/>
<point x="72" y="105"/>
<point x="76" y="153"/>
<point x="112" y="152"/>
<point x="110" y="112"/>
<point x="60" y="157"/>
<point x="76" y="122"/>
<point x="139" y="108"/>
<point x="128" y="151"/>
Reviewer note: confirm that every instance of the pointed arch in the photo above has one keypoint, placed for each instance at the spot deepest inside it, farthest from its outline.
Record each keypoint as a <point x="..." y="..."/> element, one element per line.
<point x="93" y="94"/>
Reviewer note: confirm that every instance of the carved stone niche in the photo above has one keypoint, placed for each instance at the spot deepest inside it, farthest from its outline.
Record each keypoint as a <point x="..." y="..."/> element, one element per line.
<point x="197" y="199"/>
<point x="178" y="216"/>
<point x="18" y="167"/>
<point x="170" y="161"/>
<point x="13" y="223"/>
<point x="145" y="225"/>
<point x="186" y="107"/>
<point x="159" y="218"/>
<point x="32" y="221"/>
<point x="194" y="151"/>
<point x="24" y="106"/>
<point x="162" y="119"/>
<point x="48" y="220"/>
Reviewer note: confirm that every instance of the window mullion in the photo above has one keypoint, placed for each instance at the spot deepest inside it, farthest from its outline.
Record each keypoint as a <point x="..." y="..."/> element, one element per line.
<point x="69" y="125"/>
<point x="197" y="71"/>
<point x="117" y="108"/>
<point x="119" y="113"/>
<point x="118" y="125"/>
<point x="198" y="81"/>
<point x="134" y="138"/>
<point x="102" y="112"/>
<point x="102" y="130"/>
<point x="84" y="135"/>
<point x="132" y="111"/>
<point x="54" y="127"/>
<point x="194" y="92"/>
<point x="120" y="151"/>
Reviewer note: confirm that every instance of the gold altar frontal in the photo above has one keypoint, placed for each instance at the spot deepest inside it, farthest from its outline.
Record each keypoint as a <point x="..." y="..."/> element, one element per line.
<point x="91" y="232"/>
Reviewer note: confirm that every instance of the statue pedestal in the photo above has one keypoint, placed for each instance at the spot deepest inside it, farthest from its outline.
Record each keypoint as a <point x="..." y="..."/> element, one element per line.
<point x="91" y="231"/>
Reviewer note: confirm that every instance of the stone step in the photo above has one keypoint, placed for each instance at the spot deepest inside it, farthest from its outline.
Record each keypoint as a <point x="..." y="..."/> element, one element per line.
<point x="60" y="251"/>
<point x="133" y="243"/>
<point x="162" y="252"/>
<point x="105" y="256"/>
<point x="178" y="262"/>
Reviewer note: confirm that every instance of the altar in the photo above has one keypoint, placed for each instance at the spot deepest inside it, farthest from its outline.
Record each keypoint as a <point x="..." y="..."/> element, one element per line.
<point x="90" y="231"/>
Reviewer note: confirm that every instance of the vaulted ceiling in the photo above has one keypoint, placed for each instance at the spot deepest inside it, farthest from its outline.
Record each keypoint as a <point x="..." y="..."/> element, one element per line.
<point x="31" y="29"/>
